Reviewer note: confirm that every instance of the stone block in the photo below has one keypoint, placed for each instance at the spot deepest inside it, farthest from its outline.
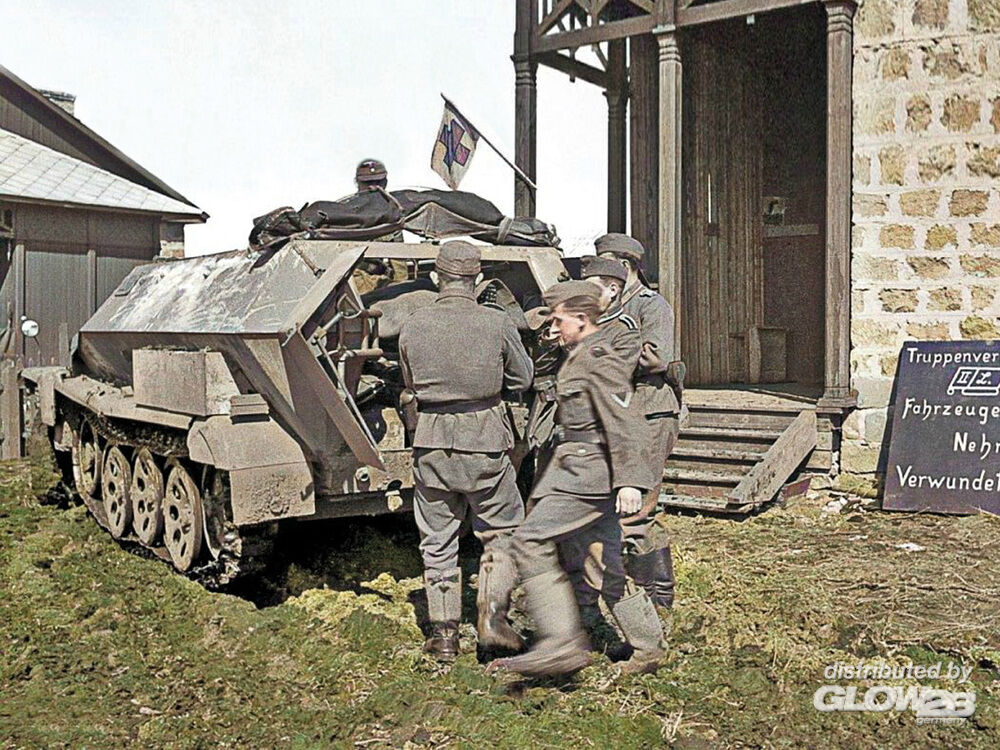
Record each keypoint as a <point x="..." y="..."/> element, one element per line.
<point x="898" y="300"/>
<point x="968" y="202"/>
<point x="960" y="113"/>
<point x="945" y="299"/>
<point x="976" y="327"/>
<point x="874" y="268"/>
<point x="872" y="333"/>
<point x="873" y="393"/>
<point x="918" y="113"/>
<point x="896" y="236"/>
<point x="866" y="205"/>
<point x="983" y="298"/>
<point x="874" y="115"/>
<point x="876" y="18"/>
<point x="893" y="162"/>
<point x="936" y="162"/>
<point x="862" y="169"/>
<point x="887" y="364"/>
<point x="987" y="235"/>
<point x="984" y="161"/>
<point x="929" y="268"/>
<point x="931" y="14"/>
<point x="896" y="64"/>
<point x="858" y="458"/>
<point x="874" y="425"/>
<point x="928" y="331"/>
<point x="984" y="15"/>
<point x="920" y="202"/>
<point x="983" y="266"/>
<point x="946" y="61"/>
<point x="940" y="236"/>
<point x="853" y="425"/>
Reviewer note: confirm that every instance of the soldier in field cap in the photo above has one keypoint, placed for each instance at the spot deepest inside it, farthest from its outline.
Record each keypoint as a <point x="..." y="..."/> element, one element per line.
<point x="456" y="356"/>
<point x="658" y="383"/>
<point x="596" y="473"/>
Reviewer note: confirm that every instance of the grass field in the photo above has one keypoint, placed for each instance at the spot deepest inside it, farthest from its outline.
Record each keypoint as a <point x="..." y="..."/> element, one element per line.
<point x="102" y="647"/>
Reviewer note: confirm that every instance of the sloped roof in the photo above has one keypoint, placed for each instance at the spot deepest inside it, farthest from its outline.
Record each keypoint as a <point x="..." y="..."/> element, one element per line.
<point x="29" y="170"/>
<point x="80" y="136"/>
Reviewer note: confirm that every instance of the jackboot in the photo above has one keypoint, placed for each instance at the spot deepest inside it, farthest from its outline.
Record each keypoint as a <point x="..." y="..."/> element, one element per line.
<point x="444" y="609"/>
<point x="497" y="577"/>
<point x="562" y="646"/>
<point x="654" y="571"/>
<point x="641" y="626"/>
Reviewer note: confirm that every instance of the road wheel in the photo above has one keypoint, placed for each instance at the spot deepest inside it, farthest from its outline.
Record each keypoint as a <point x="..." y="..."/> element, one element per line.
<point x="147" y="498"/>
<point x="87" y="461"/>
<point x="116" y="479"/>
<point x="183" y="519"/>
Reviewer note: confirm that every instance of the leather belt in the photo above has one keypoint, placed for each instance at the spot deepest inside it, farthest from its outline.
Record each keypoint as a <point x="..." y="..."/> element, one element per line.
<point x="460" y="407"/>
<point x="596" y="437"/>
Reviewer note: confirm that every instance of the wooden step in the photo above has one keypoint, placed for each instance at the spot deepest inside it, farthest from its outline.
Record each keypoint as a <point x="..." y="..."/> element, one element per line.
<point x="726" y="433"/>
<point x="685" y="449"/>
<point x="690" y="502"/>
<point x="696" y="445"/>
<point x="739" y="420"/>
<point x="693" y="476"/>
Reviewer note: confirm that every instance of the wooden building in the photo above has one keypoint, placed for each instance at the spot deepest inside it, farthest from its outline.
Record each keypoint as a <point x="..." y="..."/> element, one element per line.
<point x="76" y="215"/>
<point x="729" y="127"/>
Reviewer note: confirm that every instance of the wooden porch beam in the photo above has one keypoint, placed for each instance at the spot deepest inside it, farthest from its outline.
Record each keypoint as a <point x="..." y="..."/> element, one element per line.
<point x="837" y="393"/>
<point x="668" y="253"/>
<point x="554" y="17"/>
<point x="726" y="9"/>
<point x="574" y="68"/>
<point x="617" y="96"/>
<point x="525" y="105"/>
<point x="594" y="34"/>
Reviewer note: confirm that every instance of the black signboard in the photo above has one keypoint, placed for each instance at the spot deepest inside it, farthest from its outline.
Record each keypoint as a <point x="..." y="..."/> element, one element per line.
<point x="944" y="451"/>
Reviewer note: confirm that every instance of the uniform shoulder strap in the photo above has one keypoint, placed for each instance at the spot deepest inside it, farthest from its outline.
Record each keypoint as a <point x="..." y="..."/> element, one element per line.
<point x="629" y="322"/>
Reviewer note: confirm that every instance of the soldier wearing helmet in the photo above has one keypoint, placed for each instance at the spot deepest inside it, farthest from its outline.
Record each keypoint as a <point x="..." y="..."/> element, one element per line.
<point x="371" y="175"/>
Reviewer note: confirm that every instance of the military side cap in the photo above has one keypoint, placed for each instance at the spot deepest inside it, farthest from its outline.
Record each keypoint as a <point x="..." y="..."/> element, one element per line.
<point x="593" y="265"/>
<point x="370" y="170"/>
<point x="567" y="290"/>
<point x="459" y="259"/>
<point x="620" y="244"/>
<point x="537" y="317"/>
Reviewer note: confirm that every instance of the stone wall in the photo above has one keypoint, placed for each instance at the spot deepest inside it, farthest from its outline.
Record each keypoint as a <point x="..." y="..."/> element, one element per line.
<point x="926" y="213"/>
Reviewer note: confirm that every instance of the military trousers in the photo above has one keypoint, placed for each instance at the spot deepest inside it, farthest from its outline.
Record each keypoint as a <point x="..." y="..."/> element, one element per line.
<point x="453" y="487"/>
<point x="570" y="526"/>
<point x="663" y="435"/>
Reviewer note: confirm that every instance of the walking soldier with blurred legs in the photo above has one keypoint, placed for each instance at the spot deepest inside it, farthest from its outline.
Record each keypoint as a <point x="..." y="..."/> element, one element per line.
<point x="594" y="475"/>
<point x="456" y="357"/>
<point x="658" y="385"/>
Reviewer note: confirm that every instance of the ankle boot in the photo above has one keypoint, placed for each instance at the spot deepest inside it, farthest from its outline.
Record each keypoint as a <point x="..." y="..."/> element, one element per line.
<point x="562" y="647"/>
<point x="444" y="609"/>
<point x="639" y="623"/>
<point x="443" y="640"/>
<point x="497" y="577"/>
<point x="654" y="571"/>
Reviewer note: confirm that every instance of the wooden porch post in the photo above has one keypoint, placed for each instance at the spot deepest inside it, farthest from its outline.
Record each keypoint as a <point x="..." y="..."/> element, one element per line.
<point x="617" y="95"/>
<point x="525" y="105"/>
<point x="670" y="188"/>
<point x="839" y="64"/>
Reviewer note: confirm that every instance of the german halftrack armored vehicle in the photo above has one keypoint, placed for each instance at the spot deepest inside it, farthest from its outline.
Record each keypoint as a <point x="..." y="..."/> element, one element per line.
<point x="211" y="398"/>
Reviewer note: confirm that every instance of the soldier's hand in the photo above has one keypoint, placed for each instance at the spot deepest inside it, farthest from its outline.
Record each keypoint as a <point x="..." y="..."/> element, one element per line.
<point x="629" y="501"/>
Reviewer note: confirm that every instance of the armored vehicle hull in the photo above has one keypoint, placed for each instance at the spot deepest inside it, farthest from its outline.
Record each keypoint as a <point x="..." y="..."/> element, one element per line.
<point x="213" y="398"/>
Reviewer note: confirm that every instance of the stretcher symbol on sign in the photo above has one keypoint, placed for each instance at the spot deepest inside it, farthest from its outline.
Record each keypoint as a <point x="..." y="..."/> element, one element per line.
<point x="975" y="381"/>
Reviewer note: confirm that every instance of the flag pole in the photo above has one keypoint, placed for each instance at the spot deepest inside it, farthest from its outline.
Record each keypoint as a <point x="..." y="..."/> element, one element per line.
<point x="512" y="165"/>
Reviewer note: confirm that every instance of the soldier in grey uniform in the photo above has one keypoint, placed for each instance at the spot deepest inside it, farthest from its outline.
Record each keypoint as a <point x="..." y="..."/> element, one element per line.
<point x="658" y="381"/>
<point x="456" y="356"/>
<point x="595" y="474"/>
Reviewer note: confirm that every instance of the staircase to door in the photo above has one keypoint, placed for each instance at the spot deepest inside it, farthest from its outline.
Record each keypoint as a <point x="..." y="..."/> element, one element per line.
<point x="739" y="447"/>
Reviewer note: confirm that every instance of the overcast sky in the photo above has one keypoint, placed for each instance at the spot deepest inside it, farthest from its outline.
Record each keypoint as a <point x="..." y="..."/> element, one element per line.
<point x="246" y="105"/>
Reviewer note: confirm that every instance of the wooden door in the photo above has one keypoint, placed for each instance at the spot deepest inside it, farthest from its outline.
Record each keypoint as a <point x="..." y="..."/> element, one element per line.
<point x="722" y="272"/>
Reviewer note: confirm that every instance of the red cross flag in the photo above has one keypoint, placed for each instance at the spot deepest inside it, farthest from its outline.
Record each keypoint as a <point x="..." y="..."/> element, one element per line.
<point x="454" y="147"/>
